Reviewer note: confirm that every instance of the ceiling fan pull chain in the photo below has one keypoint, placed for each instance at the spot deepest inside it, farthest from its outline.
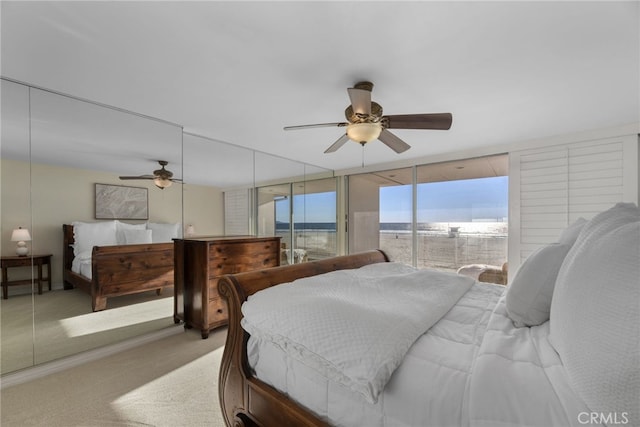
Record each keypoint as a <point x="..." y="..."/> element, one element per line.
<point x="362" y="155"/>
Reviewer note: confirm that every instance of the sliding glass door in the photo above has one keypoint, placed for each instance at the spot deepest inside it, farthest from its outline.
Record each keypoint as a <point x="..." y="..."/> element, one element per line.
<point x="462" y="222"/>
<point x="443" y="216"/>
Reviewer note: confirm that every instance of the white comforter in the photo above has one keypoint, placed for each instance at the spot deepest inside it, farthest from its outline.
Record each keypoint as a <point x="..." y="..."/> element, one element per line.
<point x="472" y="368"/>
<point x="343" y="325"/>
<point x="519" y="379"/>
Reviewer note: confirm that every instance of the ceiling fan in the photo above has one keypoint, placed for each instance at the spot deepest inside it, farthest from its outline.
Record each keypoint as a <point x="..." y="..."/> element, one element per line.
<point x="366" y="123"/>
<point x="162" y="177"/>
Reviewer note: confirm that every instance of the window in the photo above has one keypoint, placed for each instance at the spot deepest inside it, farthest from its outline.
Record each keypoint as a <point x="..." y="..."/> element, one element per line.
<point x="396" y="219"/>
<point x="380" y="213"/>
<point x="459" y="217"/>
<point x="462" y="222"/>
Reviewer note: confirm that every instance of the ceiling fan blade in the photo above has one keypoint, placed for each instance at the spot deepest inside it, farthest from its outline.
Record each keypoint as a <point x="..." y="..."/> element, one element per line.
<point x="339" y="143"/>
<point x="393" y="142"/>
<point x="318" y="125"/>
<point x="440" y="121"/>
<point x="138" y="177"/>
<point x="360" y="100"/>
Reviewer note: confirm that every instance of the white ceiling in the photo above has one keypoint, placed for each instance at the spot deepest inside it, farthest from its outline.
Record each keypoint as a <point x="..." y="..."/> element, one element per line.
<point x="239" y="71"/>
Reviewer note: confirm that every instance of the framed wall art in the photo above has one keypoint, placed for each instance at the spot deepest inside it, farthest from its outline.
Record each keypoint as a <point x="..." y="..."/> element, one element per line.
<point x="121" y="202"/>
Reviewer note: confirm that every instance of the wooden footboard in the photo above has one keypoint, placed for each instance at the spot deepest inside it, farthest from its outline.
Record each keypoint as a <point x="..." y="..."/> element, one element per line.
<point x="245" y="400"/>
<point x="120" y="270"/>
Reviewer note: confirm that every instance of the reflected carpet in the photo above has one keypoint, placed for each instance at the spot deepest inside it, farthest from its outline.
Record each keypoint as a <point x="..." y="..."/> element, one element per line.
<point x="169" y="382"/>
<point x="64" y="324"/>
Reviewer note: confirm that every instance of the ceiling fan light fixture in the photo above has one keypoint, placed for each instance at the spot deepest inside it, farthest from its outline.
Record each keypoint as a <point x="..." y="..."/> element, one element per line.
<point x="162" y="183"/>
<point x="364" y="132"/>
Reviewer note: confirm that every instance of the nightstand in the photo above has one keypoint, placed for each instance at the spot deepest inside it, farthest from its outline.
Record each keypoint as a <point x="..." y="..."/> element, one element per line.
<point x="25" y="261"/>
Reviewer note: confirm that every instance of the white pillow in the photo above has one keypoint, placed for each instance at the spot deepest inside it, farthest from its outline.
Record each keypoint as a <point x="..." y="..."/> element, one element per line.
<point x="132" y="237"/>
<point x="595" y="313"/>
<point x="90" y="234"/>
<point x="528" y="299"/>
<point x="122" y="226"/>
<point x="163" y="232"/>
<point x="571" y="233"/>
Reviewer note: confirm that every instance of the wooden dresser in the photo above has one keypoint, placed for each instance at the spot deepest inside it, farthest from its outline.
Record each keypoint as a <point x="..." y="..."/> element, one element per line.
<point x="199" y="262"/>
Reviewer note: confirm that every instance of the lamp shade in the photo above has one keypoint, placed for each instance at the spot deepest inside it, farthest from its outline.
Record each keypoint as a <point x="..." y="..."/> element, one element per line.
<point x="20" y="235"/>
<point x="364" y="132"/>
<point x="162" y="183"/>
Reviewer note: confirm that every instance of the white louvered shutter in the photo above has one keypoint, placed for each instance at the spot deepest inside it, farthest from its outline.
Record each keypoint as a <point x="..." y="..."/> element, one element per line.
<point x="553" y="186"/>
<point x="236" y="212"/>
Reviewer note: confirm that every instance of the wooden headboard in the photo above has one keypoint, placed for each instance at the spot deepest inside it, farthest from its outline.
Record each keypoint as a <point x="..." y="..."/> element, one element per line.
<point x="67" y="249"/>
<point x="243" y="398"/>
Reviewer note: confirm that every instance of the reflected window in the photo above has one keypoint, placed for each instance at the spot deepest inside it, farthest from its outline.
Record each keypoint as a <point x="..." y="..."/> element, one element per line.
<point x="303" y="214"/>
<point x="314" y="226"/>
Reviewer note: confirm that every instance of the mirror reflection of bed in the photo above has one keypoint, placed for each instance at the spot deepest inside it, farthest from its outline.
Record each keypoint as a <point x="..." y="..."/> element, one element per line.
<point x="113" y="258"/>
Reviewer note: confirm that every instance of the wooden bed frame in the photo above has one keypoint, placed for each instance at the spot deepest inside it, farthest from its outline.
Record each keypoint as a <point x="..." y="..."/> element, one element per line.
<point x="245" y="400"/>
<point x="119" y="270"/>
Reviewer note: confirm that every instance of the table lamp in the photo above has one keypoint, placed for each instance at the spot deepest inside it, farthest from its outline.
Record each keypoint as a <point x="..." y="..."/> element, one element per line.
<point x="21" y="235"/>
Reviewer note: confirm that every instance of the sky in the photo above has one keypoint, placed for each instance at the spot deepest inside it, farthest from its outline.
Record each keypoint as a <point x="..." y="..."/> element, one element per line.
<point x="449" y="201"/>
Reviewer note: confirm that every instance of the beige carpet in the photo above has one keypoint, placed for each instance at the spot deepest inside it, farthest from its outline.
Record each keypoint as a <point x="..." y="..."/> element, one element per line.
<point x="170" y="382"/>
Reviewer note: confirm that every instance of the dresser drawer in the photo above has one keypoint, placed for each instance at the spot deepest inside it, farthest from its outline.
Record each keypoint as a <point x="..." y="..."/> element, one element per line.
<point x="218" y="311"/>
<point x="18" y="262"/>
<point x="238" y="258"/>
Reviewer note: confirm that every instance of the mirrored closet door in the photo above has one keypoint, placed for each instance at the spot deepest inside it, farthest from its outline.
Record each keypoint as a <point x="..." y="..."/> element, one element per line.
<point x="57" y="151"/>
<point x="16" y="306"/>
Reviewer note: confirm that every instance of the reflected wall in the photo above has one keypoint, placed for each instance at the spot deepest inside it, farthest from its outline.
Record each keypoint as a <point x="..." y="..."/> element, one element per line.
<point x="211" y="170"/>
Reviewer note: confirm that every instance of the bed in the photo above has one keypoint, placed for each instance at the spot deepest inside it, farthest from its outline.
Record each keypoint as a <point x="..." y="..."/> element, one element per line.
<point x="113" y="259"/>
<point x="559" y="346"/>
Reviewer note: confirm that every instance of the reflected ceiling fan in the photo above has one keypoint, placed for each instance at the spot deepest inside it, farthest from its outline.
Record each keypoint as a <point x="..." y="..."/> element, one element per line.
<point x="162" y="177"/>
<point x="366" y="123"/>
